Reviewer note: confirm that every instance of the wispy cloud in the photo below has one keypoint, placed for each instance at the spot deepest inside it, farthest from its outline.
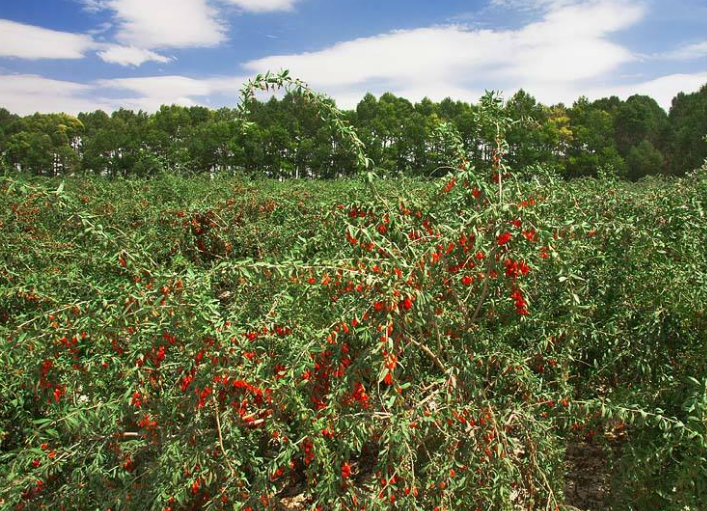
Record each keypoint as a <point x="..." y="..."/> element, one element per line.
<point x="25" y="94"/>
<point x="166" y="23"/>
<point x="662" y="89"/>
<point x="531" y="5"/>
<point x="157" y="24"/>
<point x="140" y="27"/>
<point x="101" y="29"/>
<point x="130" y="56"/>
<point x="30" y="42"/>
<point x="93" y="6"/>
<point x="567" y="45"/>
<point x="566" y="49"/>
<point x="149" y="93"/>
<point x="263" y="5"/>
<point x="688" y="52"/>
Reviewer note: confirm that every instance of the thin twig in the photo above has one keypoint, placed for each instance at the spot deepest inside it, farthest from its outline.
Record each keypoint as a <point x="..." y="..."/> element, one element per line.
<point x="220" y="435"/>
<point x="430" y="354"/>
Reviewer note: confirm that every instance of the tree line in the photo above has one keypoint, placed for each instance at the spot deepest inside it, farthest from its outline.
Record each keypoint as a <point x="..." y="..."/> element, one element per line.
<point x="286" y="139"/>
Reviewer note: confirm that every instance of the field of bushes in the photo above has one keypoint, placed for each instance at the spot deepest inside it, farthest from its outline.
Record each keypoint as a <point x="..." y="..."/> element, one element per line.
<point x="194" y="343"/>
<point x="466" y="342"/>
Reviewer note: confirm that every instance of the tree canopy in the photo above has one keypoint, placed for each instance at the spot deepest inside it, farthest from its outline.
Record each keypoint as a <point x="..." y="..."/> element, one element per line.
<point x="287" y="139"/>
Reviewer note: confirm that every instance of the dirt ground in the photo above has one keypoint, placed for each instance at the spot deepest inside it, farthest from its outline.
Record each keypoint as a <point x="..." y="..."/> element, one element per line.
<point x="587" y="484"/>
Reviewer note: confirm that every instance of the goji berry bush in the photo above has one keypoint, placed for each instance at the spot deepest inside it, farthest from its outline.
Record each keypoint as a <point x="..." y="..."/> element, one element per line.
<point x="185" y="343"/>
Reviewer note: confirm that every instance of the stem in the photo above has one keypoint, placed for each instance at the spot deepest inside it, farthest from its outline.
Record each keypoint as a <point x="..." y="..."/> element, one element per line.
<point x="430" y="354"/>
<point x="220" y="435"/>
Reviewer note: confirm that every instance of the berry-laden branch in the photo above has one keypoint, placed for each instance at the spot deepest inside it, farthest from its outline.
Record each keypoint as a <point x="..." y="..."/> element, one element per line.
<point x="329" y="113"/>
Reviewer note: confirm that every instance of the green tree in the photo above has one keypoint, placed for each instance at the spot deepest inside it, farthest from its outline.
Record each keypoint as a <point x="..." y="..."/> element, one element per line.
<point x="687" y="147"/>
<point x="7" y="120"/>
<point x="46" y="144"/>
<point x="639" y="118"/>
<point x="33" y="152"/>
<point x="525" y="136"/>
<point x="644" y="160"/>
<point x="593" y="143"/>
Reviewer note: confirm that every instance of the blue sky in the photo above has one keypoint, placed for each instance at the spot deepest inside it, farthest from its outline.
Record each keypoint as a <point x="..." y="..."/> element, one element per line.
<point x="79" y="55"/>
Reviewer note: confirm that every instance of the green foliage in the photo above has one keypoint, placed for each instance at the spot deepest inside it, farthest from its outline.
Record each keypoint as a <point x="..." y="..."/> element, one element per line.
<point x="302" y="134"/>
<point x="208" y="262"/>
<point x="639" y="119"/>
<point x="688" y="125"/>
<point x="643" y="160"/>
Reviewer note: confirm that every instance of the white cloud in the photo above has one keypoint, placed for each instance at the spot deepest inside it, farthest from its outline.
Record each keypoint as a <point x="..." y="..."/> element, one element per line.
<point x="130" y="56"/>
<point x="441" y="91"/>
<point x="566" y="52"/>
<point x="93" y="6"/>
<point x="149" y="93"/>
<point x="31" y="42"/>
<point x="26" y="94"/>
<point x="167" y="23"/>
<point x="101" y="29"/>
<point x="530" y="5"/>
<point x="662" y="89"/>
<point x="688" y="52"/>
<point x="568" y="46"/>
<point x="263" y="5"/>
<point x="151" y="24"/>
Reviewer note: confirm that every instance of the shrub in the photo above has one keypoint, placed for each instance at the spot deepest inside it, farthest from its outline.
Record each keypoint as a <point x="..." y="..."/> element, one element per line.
<point x="195" y="344"/>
